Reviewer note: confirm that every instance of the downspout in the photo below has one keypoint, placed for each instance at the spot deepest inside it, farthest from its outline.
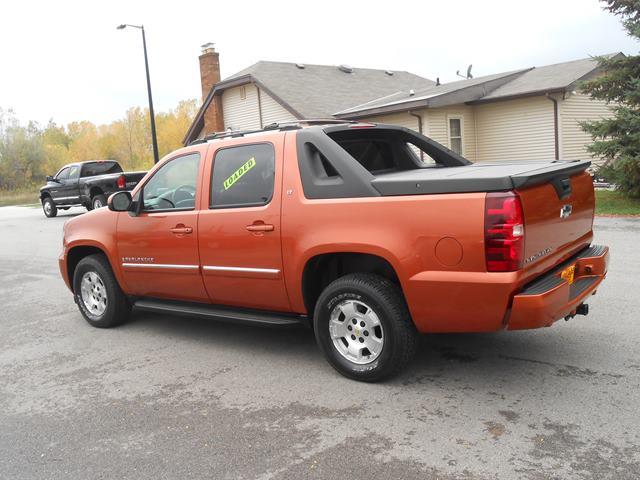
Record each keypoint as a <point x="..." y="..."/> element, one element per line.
<point x="259" y="107"/>
<point x="555" y="126"/>
<point x="419" y="117"/>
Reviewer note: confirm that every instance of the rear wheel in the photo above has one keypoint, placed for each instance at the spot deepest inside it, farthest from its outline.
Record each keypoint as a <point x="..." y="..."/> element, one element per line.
<point x="49" y="208"/>
<point x="363" y="327"/>
<point x="97" y="293"/>
<point x="98" y="201"/>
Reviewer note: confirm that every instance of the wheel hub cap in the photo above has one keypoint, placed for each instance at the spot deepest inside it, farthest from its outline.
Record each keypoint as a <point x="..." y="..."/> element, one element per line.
<point x="93" y="293"/>
<point x="356" y="331"/>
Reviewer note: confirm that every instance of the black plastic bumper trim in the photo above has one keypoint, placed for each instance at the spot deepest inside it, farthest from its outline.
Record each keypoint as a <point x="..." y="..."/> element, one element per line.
<point x="550" y="280"/>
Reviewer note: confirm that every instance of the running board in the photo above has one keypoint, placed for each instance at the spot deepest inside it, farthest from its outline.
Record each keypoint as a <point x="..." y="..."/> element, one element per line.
<point x="217" y="312"/>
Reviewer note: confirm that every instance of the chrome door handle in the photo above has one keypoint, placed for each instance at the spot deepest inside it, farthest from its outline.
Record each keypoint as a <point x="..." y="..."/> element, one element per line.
<point x="261" y="227"/>
<point x="181" y="230"/>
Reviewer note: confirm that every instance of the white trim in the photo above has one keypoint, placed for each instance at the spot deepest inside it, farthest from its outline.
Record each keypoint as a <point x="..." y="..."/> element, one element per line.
<point x="161" y="265"/>
<point x="239" y="269"/>
<point x="457" y="116"/>
<point x="66" y="198"/>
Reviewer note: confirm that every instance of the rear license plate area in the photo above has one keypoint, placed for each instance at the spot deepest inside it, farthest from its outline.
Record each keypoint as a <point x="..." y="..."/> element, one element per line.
<point x="569" y="274"/>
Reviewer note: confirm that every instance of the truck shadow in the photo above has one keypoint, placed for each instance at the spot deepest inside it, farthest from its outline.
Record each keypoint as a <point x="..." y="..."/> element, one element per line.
<point x="468" y="360"/>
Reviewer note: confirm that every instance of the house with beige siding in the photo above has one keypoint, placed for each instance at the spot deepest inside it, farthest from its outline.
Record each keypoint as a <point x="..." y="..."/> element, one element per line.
<point x="527" y="114"/>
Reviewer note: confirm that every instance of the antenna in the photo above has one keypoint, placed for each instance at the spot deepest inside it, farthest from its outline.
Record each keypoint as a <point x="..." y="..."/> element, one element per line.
<point x="468" y="75"/>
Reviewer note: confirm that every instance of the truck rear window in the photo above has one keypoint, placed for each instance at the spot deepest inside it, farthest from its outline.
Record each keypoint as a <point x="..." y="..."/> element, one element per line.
<point x="382" y="151"/>
<point x="100" y="168"/>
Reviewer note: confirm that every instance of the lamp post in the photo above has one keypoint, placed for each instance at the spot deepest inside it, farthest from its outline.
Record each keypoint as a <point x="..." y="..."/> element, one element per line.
<point x="154" y="140"/>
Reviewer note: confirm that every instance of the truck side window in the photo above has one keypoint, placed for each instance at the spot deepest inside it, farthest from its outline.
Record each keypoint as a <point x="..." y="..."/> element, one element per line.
<point x="74" y="171"/>
<point x="173" y="186"/>
<point x="63" y="174"/>
<point x="243" y="176"/>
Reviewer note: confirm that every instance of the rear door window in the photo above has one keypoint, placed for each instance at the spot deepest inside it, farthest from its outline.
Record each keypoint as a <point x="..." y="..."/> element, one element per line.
<point x="243" y="176"/>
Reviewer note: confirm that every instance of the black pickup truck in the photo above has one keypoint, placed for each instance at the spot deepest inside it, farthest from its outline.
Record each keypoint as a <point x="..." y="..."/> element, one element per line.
<point x="87" y="184"/>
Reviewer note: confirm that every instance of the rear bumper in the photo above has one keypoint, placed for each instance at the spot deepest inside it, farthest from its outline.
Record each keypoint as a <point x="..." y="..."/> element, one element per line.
<point x="550" y="297"/>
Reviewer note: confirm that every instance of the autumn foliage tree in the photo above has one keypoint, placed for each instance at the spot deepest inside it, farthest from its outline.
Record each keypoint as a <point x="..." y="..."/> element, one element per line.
<point x="617" y="139"/>
<point x="29" y="153"/>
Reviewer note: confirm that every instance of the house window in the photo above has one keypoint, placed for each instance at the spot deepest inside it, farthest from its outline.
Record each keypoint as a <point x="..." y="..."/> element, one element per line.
<point x="243" y="92"/>
<point x="455" y="134"/>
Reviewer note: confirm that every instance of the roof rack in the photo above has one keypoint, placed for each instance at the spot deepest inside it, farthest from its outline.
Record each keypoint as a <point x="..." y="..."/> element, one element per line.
<point x="291" y="125"/>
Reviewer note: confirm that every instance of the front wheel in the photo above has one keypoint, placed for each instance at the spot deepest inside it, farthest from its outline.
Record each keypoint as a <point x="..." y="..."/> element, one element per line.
<point x="363" y="327"/>
<point x="97" y="293"/>
<point x="98" y="201"/>
<point x="49" y="208"/>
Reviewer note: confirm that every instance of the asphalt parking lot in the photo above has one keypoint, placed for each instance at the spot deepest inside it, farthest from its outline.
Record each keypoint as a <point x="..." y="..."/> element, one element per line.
<point x="164" y="397"/>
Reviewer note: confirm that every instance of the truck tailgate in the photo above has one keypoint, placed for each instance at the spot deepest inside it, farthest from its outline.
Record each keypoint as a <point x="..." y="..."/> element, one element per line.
<point x="558" y="219"/>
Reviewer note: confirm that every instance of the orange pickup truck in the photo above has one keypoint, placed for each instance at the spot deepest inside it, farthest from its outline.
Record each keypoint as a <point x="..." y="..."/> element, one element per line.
<point x="370" y="234"/>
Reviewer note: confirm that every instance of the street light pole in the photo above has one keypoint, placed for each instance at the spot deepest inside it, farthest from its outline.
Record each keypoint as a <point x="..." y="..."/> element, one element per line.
<point x="152" y="116"/>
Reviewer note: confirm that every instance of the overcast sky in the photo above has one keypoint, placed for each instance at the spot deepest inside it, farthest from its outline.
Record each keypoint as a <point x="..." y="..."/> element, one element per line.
<point x="65" y="60"/>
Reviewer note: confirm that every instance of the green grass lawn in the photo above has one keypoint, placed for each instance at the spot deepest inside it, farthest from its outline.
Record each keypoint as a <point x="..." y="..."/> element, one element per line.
<point x="20" y="197"/>
<point x="610" y="202"/>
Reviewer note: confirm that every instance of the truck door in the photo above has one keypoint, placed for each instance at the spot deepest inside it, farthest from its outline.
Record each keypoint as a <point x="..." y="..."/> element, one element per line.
<point x="57" y="188"/>
<point x="68" y="189"/>
<point x="239" y="227"/>
<point x="158" y="248"/>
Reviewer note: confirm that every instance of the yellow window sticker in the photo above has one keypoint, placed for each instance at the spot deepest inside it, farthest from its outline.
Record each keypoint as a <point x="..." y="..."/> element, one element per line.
<point x="237" y="175"/>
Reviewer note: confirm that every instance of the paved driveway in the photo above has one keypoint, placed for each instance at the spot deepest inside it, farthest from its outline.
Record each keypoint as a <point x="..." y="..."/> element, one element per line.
<point x="165" y="397"/>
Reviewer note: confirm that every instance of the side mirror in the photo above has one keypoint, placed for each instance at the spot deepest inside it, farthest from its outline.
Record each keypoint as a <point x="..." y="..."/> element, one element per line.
<point x="120" y="202"/>
<point x="50" y="178"/>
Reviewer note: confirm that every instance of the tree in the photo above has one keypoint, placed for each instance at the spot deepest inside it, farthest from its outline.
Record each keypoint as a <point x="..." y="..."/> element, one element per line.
<point x="28" y="153"/>
<point x="21" y="152"/>
<point x="617" y="139"/>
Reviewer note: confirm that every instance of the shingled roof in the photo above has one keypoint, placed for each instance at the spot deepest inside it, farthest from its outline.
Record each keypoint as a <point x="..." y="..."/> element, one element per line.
<point x="500" y="86"/>
<point x="433" y="96"/>
<point x="315" y="91"/>
<point x="548" y="78"/>
<point x="322" y="91"/>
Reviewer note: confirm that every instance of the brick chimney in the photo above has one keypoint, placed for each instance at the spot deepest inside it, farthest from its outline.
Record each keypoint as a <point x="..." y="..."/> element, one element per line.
<point x="209" y="76"/>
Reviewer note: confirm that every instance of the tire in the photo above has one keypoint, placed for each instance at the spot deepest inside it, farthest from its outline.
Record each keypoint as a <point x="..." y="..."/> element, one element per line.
<point x="49" y="208"/>
<point x="370" y="298"/>
<point x="102" y="302"/>
<point x="98" y="201"/>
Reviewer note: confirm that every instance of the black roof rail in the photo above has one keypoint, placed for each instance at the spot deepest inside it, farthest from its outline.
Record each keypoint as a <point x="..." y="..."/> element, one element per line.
<point x="290" y="125"/>
<point x="309" y="121"/>
<point x="224" y="134"/>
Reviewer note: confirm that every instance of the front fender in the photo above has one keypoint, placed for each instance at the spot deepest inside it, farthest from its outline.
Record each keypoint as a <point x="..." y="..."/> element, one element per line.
<point x="95" y="229"/>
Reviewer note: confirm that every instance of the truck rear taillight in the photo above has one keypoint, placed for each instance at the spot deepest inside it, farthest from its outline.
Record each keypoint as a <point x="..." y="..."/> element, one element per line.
<point x="503" y="232"/>
<point x="121" y="182"/>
